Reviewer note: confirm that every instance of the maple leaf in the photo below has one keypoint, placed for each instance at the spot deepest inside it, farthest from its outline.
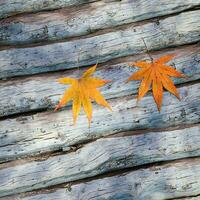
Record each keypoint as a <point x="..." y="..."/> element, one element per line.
<point x="82" y="92"/>
<point x="156" y="73"/>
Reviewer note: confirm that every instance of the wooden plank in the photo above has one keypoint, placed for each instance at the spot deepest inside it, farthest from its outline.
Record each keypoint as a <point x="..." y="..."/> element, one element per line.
<point x="23" y="91"/>
<point x="156" y="183"/>
<point x="49" y="131"/>
<point x="99" y="157"/>
<point x="61" y="24"/>
<point x="13" y="7"/>
<point x="172" y="31"/>
<point x="168" y="181"/>
<point x="189" y="198"/>
<point x="45" y="196"/>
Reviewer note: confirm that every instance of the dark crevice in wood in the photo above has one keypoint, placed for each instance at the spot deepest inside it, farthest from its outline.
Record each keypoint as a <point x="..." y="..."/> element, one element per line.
<point x="149" y="130"/>
<point x="185" y="197"/>
<point x="98" y="32"/>
<point x="187" y="83"/>
<point x="111" y="173"/>
<point x="23" y="114"/>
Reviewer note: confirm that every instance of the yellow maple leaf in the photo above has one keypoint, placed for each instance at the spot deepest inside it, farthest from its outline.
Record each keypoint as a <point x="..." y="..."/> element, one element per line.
<point x="82" y="92"/>
<point x="156" y="73"/>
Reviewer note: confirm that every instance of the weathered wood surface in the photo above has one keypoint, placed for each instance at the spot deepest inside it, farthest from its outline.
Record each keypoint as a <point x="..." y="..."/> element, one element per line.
<point x="13" y="7"/>
<point x="101" y="156"/>
<point x="45" y="196"/>
<point x="84" y="20"/>
<point x="33" y="134"/>
<point x="44" y="132"/>
<point x="189" y="198"/>
<point x="169" y="181"/>
<point x="43" y="91"/>
<point x="177" y="30"/>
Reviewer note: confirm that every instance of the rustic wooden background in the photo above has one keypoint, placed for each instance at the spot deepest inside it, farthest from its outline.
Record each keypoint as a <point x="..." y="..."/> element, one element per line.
<point x="132" y="153"/>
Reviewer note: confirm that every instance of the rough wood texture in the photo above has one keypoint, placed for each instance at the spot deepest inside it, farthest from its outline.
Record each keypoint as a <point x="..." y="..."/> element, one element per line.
<point x="84" y="20"/>
<point x="189" y="198"/>
<point x="45" y="196"/>
<point x="176" y="30"/>
<point x="48" y="131"/>
<point x="13" y="7"/>
<point x="163" y="182"/>
<point x="99" y="157"/>
<point x="97" y="31"/>
<point x="43" y="92"/>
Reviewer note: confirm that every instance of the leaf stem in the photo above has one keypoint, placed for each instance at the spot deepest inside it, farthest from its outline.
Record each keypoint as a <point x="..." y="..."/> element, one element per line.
<point x="147" y="50"/>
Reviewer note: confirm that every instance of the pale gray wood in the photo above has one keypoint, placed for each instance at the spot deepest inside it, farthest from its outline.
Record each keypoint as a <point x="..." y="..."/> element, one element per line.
<point x="189" y="198"/>
<point x="168" y="181"/>
<point x="43" y="92"/>
<point x="13" y="7"/>
<point x="70" y="22"/>
<point x="99" y="157"/>
<point x="177" y="30"/>
<point x="47" y="131"/>
<point x="46" y="196"/>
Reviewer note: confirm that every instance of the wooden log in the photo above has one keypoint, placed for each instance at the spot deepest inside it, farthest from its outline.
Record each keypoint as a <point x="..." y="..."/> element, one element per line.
<point x="23" y="91"/>
<point x="33" y="134"/>
<point x="13" y="7"/>
<point x="189" y="198"/>
<point x="168" y="181"/>
<point x="46" y="196"/>
<point x="172" y="31"/>
<point x="156" y="183"/>
<point x="61" y="24"/>
<point x="102" y="156"/>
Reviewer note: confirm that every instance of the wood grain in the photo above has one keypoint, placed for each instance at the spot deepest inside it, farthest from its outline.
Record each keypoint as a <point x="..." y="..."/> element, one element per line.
<point x="173" y="31"/>
<point x="189" y="198"/>
<point x="46" y="196"/>
<point x="87" y="31"/>
<point x="49" y="131"/>
<point x="43" y="92"/>
<point x="101" y="156"/>
<point x="13" y="7"/>
<point x="173" y="180"/>
<point x="61" y="24"/>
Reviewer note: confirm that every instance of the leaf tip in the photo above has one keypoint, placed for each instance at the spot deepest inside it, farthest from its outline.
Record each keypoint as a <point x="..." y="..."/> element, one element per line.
<point x="107" y="81"/>
<point x="89" y="123"/>
<point x="132" y="64"/>
<point x="184" y="75"/>
<point x="159" y="108"/>
<point x="127" y="80"/>
<point x="57" y="107"/>
<point x="109" y="107"/>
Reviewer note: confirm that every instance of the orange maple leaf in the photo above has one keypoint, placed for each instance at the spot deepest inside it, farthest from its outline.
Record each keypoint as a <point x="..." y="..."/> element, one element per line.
<point x="156" y="73"/>
<point x="82" y="92"/>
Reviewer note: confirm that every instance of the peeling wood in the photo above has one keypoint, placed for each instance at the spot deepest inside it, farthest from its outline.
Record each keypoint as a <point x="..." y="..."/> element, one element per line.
<point x="103" y="166"/>
<point x="169" y="181"/>
<point x="173" y="31"/>
<point x="71" y="22"/>
<point x="50" y="131"/>
<point x="23" y="91"/>
<point x="13" y="7"/>
<point x="101" y="156"/>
